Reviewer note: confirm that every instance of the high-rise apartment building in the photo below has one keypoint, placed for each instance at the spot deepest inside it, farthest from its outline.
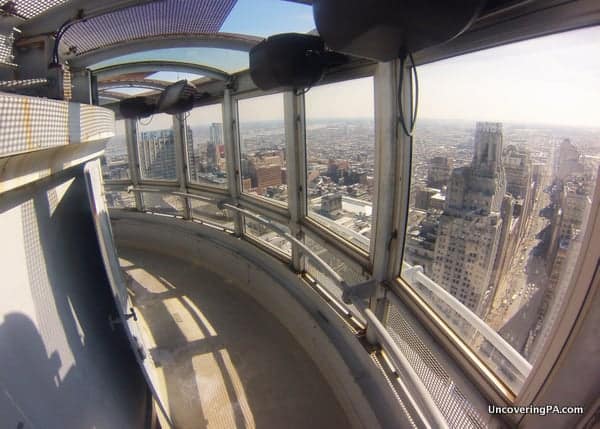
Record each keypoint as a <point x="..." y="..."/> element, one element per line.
<point x="469" y="231"/>
<point x="216" y="133"/>
<point x="439" y="172"/>
<point x="157" y="154"/>
<point x="568" y="160"/>
<point x="518" y="171"/>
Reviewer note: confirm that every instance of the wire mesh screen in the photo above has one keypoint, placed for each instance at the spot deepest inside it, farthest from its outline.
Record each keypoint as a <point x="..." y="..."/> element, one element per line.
<point x="29" y="8"/>
<point x="16" y="85"/>
<point x="458" y="410"/>
<point x="96" y="123"/>
<point x="29" y="123"/>
<point x="147" y="20"/>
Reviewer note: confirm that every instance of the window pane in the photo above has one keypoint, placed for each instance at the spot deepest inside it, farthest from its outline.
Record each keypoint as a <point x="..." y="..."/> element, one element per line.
<point x="163" y="203"/>
<point x="208" y="212"/>
<point x="347" y="269"/>
<point x="501" y="194"/>
<point x="120" y="200"/>
<point x="115" y="164"/>
<point x="267" y="236"/>
<point x="340" y="146"/>
<point x="262" y="147"/>
<point x="205" y="148"/>
<point x="156" y="147"/>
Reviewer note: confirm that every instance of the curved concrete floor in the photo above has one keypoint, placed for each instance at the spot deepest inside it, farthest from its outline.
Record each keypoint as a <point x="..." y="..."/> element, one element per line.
<point x="225" y="361"/>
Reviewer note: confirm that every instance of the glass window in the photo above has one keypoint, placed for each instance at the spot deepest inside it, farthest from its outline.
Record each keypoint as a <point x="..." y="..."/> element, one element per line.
<point x="156" y="147"/>
<point x="349" y="270"/>
<point x="163" y="203"/>
<point x="205" y="148"/>
<point x="504" y="166"/>
<point x="267" y="236"/>
<point x="340" y="157"/>
<point x="228" y="60"/>
<point x="120" y="200"/>
<point x="262" y="147"/>
<point x="208" y="212"/>
<point x="115" y="164"/>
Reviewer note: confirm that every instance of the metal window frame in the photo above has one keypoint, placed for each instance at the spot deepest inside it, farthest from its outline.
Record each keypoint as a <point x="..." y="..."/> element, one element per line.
<point x="154" y="66"/>
<point x="487" y="381"/>
<point x="180" y="137"/>
<point x="363" y="69"/>
<point x="205" y="186"/>
<point x="295" y="130"/>
<point x="277" y="207"/>
<point x="131" y="133"/>
<point x="232" y="154"/>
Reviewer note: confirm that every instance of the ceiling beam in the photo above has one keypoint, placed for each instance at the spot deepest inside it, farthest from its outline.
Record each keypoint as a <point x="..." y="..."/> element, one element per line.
<point x="157" y="66"/>
<point x="236" y="42"/>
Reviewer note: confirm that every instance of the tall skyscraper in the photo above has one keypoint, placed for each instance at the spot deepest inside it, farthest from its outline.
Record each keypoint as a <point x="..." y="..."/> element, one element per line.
<point x="518" y="170"/>
<point x="216" y="133"/>
<point x="157" y="154"/>
<point x="469" y="231"/>
<point x="439" y="171"/>
<point x="568" y="160"/>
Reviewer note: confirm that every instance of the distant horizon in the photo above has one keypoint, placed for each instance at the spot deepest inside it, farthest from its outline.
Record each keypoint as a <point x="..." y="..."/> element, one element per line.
<point x="419" y="119"/>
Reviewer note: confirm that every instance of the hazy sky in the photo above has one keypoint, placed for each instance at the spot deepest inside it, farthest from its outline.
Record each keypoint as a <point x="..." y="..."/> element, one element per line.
<point x="553" y="79"/>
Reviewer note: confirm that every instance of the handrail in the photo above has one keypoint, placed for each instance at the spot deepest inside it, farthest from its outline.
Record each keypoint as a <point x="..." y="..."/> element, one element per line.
<point x="425" y="408"/>
<point x="268" y="223"/>
<point x="423" y="405"/>
<point x="413" y="273"/>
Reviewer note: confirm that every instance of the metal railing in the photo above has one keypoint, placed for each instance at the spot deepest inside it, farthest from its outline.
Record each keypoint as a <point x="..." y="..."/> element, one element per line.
<point x="422" y="404"/>
<point x="227" y="204"/>
<point x="415" y="274"/>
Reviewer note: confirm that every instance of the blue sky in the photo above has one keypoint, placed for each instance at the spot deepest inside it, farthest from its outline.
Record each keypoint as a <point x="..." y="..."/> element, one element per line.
<point x="261" y="18"/>
<point x="267" y="17"/>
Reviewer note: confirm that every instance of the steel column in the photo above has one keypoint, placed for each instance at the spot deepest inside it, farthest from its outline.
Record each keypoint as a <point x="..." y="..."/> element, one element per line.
<point x="296" y="169"/>
<point x="133" y="158"/>
<point x="180" y="140"/>
<point x="387" y="147"/>
<point x="232" y="153"/>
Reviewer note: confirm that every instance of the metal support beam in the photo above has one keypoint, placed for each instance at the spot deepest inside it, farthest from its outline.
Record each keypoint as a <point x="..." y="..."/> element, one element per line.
<point x="130" y="83"/>
<point x="237" y="42"/>
<point x="133" y="158"/>
<point x="180" y="137"/>
<point x="296" y="169"/>
<point x="82" y="86"/>
<point x="386" y="149"/>
<point x="403" y="163"/>
<point x="232" y="153"/>
<point x="107" y="72"/>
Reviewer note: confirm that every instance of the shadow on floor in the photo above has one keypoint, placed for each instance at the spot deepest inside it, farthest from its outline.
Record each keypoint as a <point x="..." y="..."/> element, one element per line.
<point x="226" y="361"/>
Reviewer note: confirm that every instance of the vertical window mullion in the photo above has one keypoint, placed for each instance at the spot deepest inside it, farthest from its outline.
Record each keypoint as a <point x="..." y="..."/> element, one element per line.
<point x="296" y="169"/>
<point x="232" y="152"/>
<point x="179" y="125"/>
<point x="133" y="159"/>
